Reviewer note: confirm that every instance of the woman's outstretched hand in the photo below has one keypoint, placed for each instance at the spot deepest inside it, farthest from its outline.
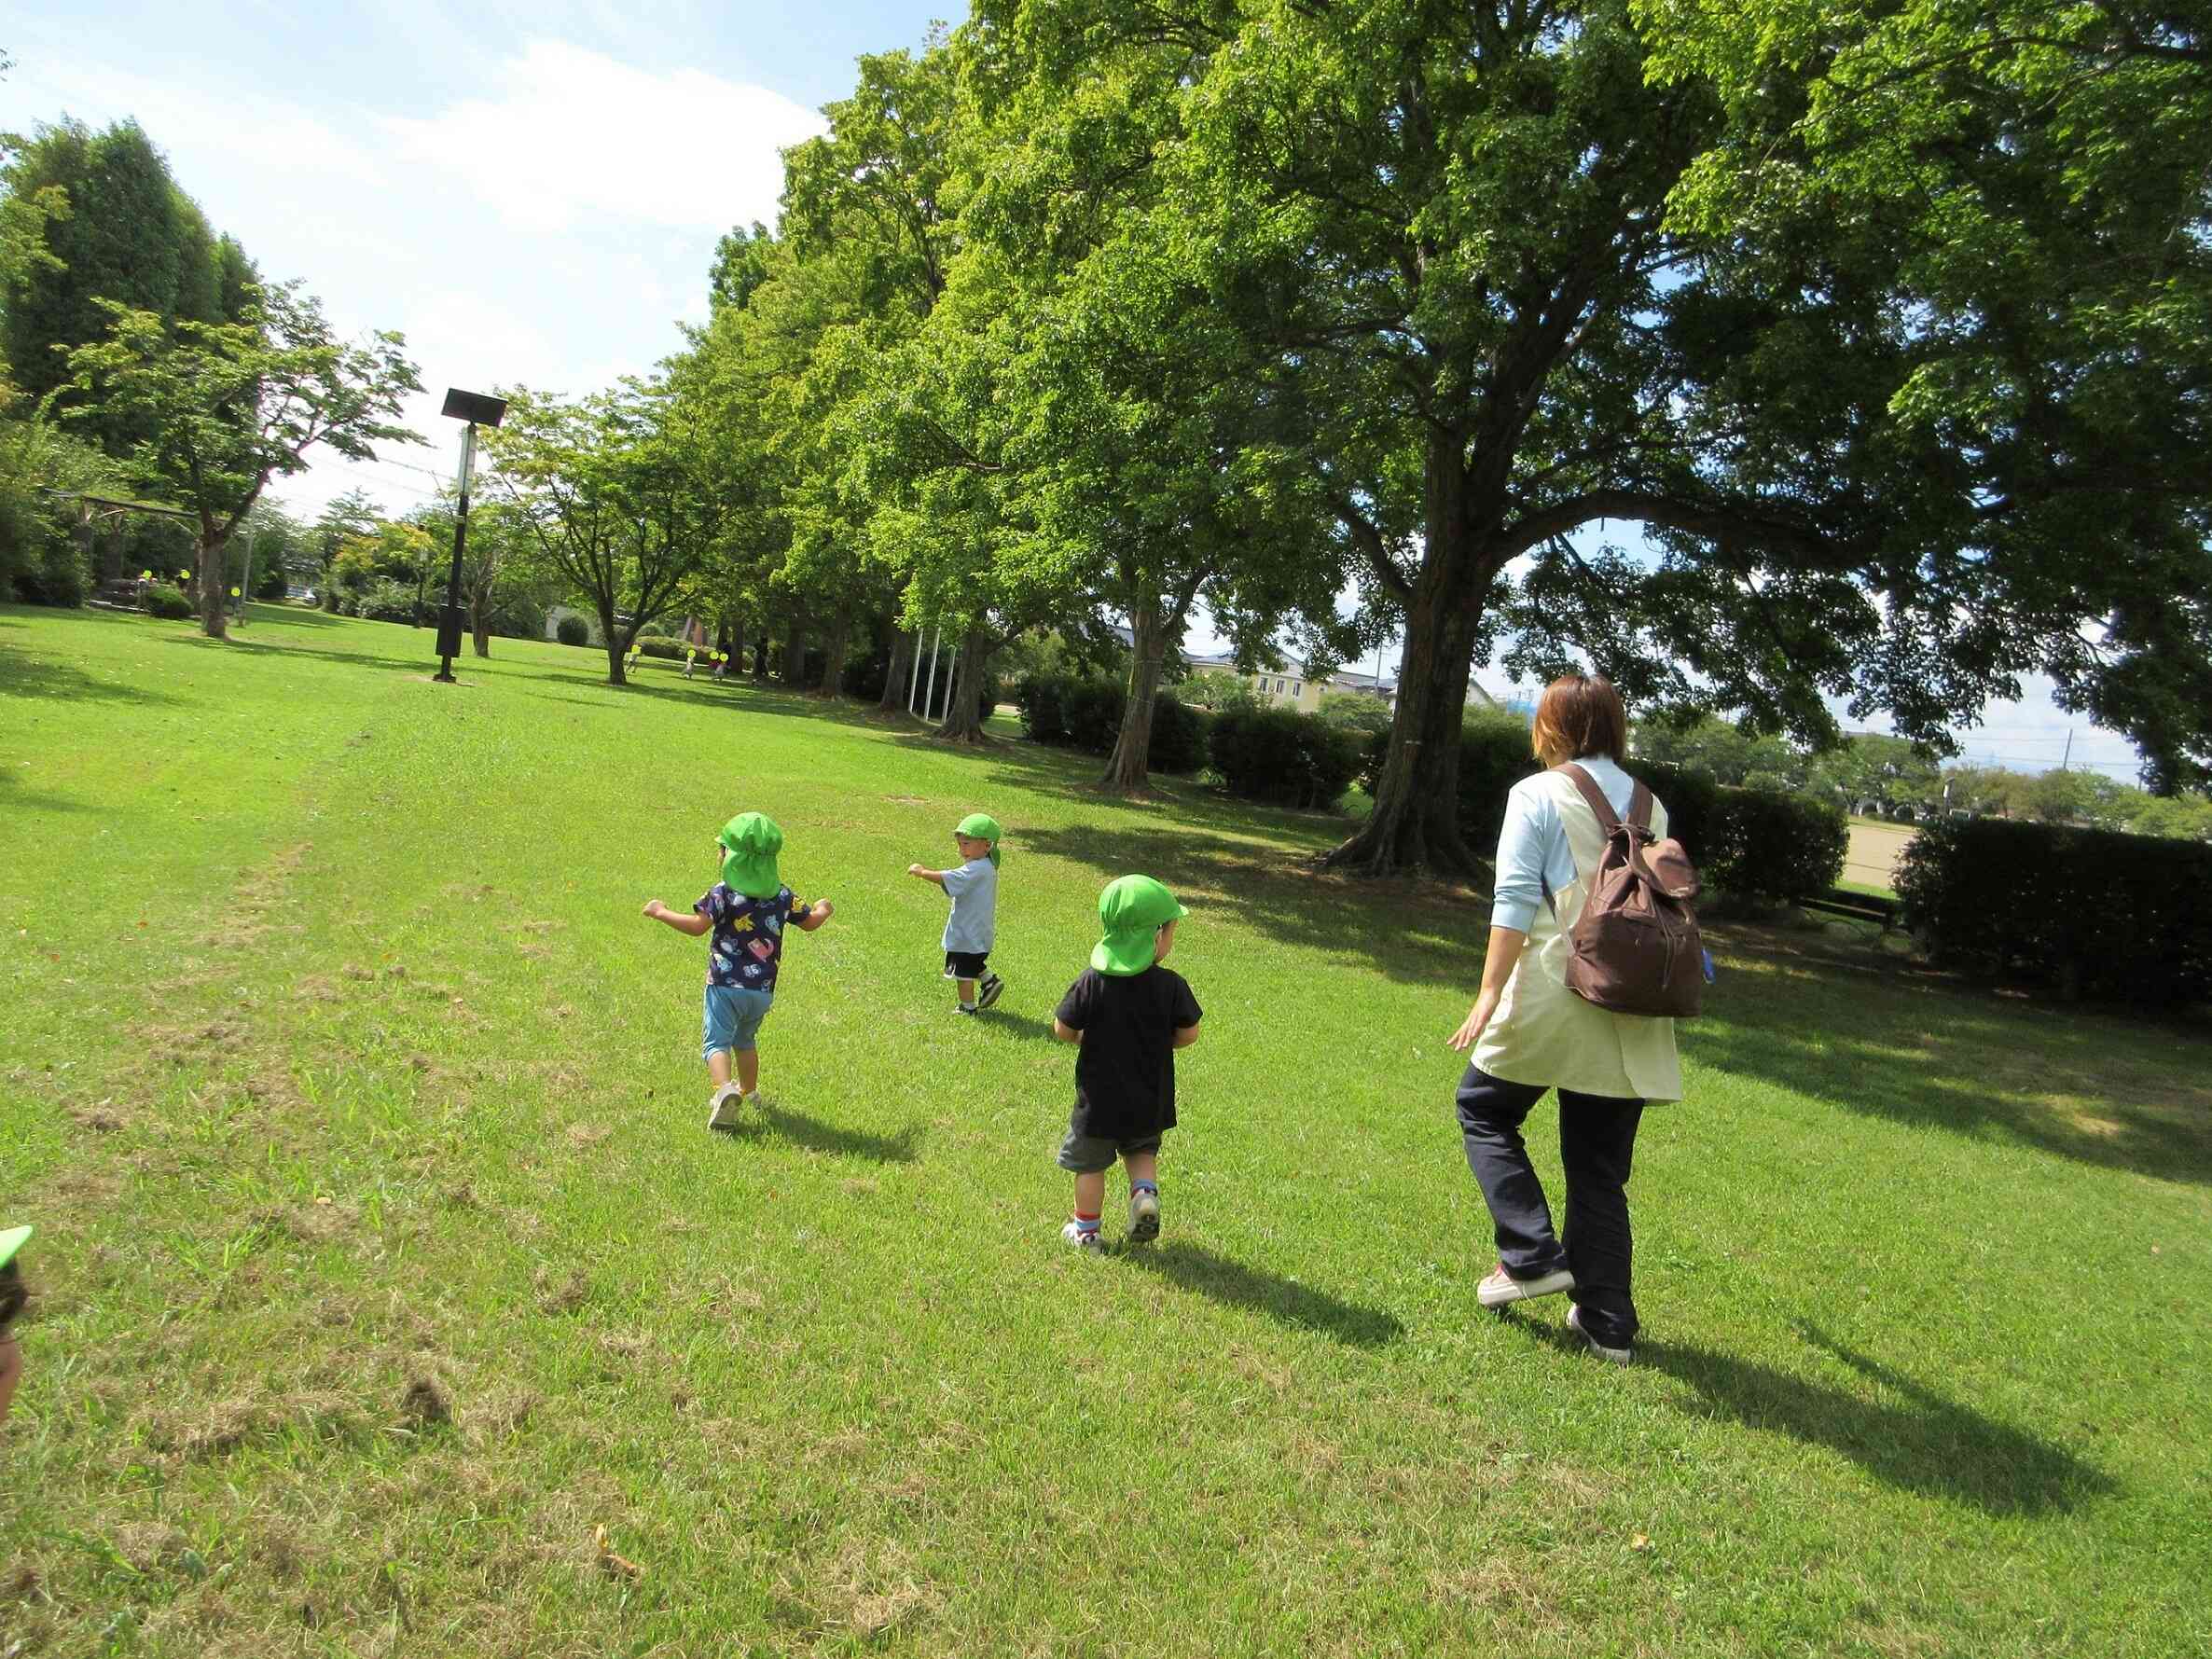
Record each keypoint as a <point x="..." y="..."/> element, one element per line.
<point x="1472" y="1027"/>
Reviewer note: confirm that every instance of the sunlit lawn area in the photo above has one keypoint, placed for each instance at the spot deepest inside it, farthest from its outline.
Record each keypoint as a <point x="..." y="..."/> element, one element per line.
<point x="385" y="1259"/>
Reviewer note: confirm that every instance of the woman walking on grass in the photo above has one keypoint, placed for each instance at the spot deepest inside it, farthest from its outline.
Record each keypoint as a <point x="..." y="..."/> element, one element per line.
<point x="1531" y="1033"/>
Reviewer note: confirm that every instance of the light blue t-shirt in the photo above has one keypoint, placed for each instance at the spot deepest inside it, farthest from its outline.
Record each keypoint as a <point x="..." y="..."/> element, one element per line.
<point x="1532" y="847"/>
<point x="973" y="889"/>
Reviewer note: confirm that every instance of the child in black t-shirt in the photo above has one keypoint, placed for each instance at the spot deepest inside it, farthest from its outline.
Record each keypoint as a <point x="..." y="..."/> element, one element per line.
<point x="1130" y="1015"/>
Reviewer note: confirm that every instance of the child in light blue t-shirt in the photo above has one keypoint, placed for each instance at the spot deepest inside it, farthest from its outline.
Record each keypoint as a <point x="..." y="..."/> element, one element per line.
<point x="973" y="926"/>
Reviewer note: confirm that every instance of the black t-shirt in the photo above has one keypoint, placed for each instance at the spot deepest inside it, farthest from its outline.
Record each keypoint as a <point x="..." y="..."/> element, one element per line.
<point x="1125" y="1071"/>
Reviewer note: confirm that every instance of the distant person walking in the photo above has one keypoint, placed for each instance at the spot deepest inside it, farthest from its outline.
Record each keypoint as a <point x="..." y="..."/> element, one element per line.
<point x="1531" y="1033"/>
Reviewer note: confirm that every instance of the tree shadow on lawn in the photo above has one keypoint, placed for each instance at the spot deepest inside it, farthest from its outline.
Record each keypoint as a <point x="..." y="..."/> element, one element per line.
<point x="816" y="1136"/>
<point x="13" y="795"/>
<point x="1916" y="1440"/>
<point x="62" y="681"/>
<point x="1237" y="1285"/>
<point x="741" y="696"/>
<point x="424" y="666"/>
<point x="1417" y="934"/>
<point x="2105" y="1090"/>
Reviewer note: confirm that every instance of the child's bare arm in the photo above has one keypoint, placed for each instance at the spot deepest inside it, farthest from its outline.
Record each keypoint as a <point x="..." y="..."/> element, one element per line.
<point x="684" y="922"/>
<point x="818" y="913"/>
<point x="1064" y="1031"/>
<point x="1185" y="1036"/>
<point x="937" y="876"/>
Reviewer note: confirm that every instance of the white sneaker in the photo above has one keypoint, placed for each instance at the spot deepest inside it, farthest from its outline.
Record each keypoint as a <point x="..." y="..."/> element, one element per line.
<point x="1080" y="1237"/>
<point x="1615" y="1356"/>
<point x="1502" y="1287"/>
<point x="722" y="1110"/>
<point x="1144" y="1217"/>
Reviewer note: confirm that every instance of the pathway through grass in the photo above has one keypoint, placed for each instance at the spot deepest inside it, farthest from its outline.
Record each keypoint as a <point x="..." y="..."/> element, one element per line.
<point x="385" y="1258"/>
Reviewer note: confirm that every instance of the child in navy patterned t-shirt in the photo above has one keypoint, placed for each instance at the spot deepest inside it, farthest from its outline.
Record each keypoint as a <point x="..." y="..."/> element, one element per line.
<point x="748" y="910"/>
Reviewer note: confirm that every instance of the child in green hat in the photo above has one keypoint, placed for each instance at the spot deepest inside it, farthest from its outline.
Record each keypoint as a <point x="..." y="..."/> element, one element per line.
<point x="973" y="926"/>
<point x="13" y="1296"/>
<point x="1130" y="1015"/>
<point x="748" y="910"/>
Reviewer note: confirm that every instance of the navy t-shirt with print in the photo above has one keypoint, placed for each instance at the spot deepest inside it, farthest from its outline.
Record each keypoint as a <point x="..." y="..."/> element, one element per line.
<point x="1125" y="1071"/>
<point x="747" y="935"/>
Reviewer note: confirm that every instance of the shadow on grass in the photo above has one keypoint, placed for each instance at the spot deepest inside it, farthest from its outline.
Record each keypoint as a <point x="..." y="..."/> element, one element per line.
<point x="61" y="682"/>
<point x="739" y="694"/>
<point x="816" y="1136"/>
<point x="1911" y="1438"/>
<point x="1413" y="933"/>
<point x="2096" y="1088"/>
<point x="425" y="664"/>
<point x="13" y="795"/>
<point x="1236" y="1285"/>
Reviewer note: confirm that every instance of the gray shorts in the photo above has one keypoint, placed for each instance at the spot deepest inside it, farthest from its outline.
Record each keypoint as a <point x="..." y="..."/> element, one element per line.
<point x="1087" y="1154"/>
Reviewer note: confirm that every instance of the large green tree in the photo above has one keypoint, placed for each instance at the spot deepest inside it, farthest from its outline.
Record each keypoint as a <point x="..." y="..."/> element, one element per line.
<point x="230" y="406"/>
<point x="1456" y="232"/>
<point x="131" y="237"/>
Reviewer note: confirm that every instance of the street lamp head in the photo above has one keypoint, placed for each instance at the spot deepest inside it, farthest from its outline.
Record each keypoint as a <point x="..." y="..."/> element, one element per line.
<point x="474" y="406"/>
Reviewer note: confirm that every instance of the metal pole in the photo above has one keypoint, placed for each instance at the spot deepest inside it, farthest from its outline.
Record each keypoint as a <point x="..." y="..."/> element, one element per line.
<point x="929" y="698"/>
<point x="245" y="592"/>
<point x="449" y="633"/>
<point x="914" y="675"/>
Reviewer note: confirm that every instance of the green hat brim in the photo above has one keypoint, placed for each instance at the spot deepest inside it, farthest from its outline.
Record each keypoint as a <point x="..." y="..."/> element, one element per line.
<point x="1119" y="956"/>
<point x="13" y="1240"/>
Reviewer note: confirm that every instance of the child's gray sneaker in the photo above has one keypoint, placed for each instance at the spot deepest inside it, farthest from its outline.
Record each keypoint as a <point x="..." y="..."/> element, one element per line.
<point x="1502" y="1287"/>
<point x="963" y="1007"/>
<point x="722" y="1110"/>
<point x="1144" y="1216"/>
<point x="1614" y="1356"/>
<point x="1081" y="1237"/>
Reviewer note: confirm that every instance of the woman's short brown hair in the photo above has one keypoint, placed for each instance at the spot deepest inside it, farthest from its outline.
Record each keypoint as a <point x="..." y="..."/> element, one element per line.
<point x="1580" y="715"/>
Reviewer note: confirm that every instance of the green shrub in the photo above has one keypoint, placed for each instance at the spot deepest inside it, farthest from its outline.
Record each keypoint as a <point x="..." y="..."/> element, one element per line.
<point x="1094" y="713"/>
<point x="662" y="647"/>
<point x="1273" y="755"/>
<point x="1769" y="847"/>
<point x="2086" y="912"/>
<point x="385" y="600"/>
<point x="1178" y="737"/>
<point x="1493" y="757"/>
<point x="1043" y="700"/>
<point x="573" y="630"/>
<point x="162" y="598"/>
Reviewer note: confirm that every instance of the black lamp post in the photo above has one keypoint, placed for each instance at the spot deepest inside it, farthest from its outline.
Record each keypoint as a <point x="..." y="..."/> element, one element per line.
<point x="477" y="409"/>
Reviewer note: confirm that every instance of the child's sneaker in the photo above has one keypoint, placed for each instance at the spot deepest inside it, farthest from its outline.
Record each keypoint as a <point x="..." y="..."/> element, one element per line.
<point x="1081" y="1237"/>
<point x="722" y="1110"/>
<point x="987" y="991"/>
<point x="963" y="1007"/>
<point x="1144" y="1216"/>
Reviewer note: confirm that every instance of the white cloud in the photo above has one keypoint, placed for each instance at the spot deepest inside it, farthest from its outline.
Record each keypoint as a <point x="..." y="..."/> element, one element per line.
<point x="572" y="135"/>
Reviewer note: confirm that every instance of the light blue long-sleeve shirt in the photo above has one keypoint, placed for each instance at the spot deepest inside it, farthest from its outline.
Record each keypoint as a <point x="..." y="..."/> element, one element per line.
<point x="973" y="889"/>
<point x="1532" y="847"/>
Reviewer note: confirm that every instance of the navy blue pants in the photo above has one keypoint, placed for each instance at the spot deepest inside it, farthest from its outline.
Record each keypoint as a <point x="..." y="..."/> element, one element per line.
<point x="1597" y="1143"/>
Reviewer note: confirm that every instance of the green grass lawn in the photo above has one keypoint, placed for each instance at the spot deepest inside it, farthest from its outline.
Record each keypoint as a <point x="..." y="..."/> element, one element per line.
<point x="384" y="1258"/>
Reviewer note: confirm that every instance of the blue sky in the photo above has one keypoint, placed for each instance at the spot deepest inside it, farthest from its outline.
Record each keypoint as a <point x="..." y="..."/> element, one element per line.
<point x="528" y="192"/>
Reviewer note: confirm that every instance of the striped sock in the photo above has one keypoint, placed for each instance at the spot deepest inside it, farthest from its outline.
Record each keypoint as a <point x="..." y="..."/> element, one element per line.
<point x="1086" y="1223"/>
<point x="1145" y="1186"/>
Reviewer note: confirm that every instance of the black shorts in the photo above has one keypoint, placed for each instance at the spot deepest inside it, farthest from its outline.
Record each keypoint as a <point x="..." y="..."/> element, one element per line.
<point x="964" y="964"/>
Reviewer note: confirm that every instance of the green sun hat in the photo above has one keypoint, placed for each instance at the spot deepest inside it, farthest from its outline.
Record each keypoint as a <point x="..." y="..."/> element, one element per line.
<point x="982" y="826"/>
<point x="13" y="1239"/>
<point x="752" y="841"/>
<point x="1132" y="909"/>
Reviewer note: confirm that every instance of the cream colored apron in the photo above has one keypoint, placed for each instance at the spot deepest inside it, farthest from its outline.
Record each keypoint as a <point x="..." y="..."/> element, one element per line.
<point x="1542" y="1032"/>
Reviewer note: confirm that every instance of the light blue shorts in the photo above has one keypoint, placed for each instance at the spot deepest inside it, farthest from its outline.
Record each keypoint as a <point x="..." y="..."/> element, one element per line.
<point x="733" y="1018"/>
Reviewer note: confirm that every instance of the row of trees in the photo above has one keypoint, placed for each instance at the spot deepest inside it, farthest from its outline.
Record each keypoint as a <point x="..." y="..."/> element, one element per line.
<point x="1889" y="330"/>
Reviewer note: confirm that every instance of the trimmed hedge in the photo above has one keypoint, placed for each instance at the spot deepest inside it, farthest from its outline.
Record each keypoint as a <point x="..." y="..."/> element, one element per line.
<point x="1087" y="714"/>
<point x="1755" y="847"/>
<point x="163" y="600"/>
<point x="573" y="630"/>
<point x="1294" y="760"/>
<point x="1179" y="737"/>
<point x="2084" y="912"/>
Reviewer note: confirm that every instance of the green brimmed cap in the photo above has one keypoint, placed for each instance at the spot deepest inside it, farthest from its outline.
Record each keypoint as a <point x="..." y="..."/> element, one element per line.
<point x="984" y="827"/>
<point x="13" y="1239"/>
<point x="751" y="841"/>
<point x="1131" y="910"/>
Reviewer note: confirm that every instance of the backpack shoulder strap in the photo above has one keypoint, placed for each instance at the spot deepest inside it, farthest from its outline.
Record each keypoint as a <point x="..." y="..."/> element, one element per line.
<point x="1639" y="807"/>
<point x="1608" y="819"/>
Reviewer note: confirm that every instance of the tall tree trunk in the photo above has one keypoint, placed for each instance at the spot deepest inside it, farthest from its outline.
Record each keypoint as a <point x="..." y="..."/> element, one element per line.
<point x="615" y="644"/>
<point x="212" y="623"/>
<point x="835" y="644"/>
<point x="963" y="718"/>
<point x="1132" y="748"/>
<point x="1416" y="822"/>
<point x="795" y="653"/>
<point x="479" y="623"/>
<point x="901" y="667"/>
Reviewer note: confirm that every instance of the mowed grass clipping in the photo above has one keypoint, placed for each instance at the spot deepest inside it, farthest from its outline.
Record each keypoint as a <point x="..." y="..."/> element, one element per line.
<point x="395" y="1300"/>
